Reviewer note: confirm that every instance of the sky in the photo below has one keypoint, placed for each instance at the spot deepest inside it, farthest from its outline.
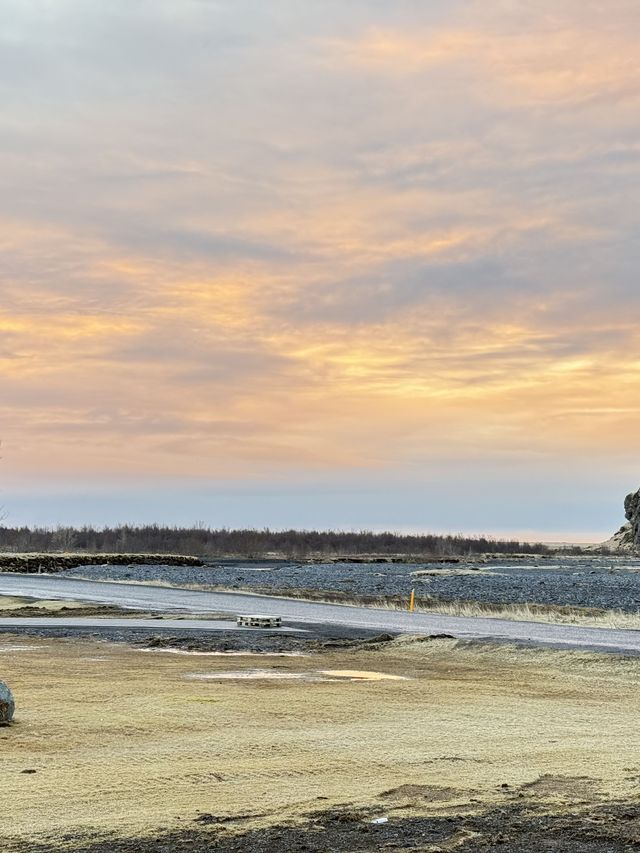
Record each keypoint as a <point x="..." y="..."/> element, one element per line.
<point x="320" y="264"/>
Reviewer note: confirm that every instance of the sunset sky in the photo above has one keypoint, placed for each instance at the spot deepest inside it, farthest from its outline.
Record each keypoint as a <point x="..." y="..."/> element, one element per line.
<point x="321" y="263"/>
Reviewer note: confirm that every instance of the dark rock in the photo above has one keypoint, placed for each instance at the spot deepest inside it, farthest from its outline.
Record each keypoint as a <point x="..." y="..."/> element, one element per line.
<point x="33" y="563"/>
<point x="627" y="539"/>
<point x="7" y="704"/>
<point x="632" y="514"/>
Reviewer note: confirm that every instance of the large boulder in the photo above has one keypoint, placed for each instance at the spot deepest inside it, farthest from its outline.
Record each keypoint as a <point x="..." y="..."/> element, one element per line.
<point x="7" y="705"/>
<point x="632" y="514"/>
<point x="627" y="539"/>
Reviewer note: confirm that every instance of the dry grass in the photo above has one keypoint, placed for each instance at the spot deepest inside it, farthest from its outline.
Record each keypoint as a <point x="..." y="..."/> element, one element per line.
<point x="588" y="617"/>
<point x="125" y="740"/>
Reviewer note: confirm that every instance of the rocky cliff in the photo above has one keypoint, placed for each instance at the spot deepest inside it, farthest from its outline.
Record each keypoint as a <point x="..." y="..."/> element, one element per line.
<point x="627" y="539"/>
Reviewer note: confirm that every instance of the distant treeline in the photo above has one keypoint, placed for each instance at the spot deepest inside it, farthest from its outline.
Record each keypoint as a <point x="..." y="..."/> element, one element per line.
<point x="294" y="544"/>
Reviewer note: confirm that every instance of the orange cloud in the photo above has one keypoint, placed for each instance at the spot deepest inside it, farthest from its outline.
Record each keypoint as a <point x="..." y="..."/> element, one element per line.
<point x="563" y="65"/>
<point x="341" y="274"/>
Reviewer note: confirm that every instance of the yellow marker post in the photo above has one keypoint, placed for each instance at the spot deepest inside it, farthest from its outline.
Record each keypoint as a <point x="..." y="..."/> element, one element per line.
<point x="412" y="601"/>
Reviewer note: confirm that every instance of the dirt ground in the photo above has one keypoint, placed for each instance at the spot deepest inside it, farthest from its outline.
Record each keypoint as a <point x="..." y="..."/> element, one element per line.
<point x="119" y="749"/>
<point x="22" y="606"/>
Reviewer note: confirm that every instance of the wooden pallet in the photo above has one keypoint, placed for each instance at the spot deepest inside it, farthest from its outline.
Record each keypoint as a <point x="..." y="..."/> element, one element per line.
<point x="254" y="621"/>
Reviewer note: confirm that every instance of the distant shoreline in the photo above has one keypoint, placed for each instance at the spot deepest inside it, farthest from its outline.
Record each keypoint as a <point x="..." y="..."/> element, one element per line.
<point x="209" y="543"/>
<point x="52" y="561"/>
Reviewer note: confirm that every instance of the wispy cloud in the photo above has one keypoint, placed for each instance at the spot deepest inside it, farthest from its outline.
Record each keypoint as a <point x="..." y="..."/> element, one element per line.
<point x="276" y="240"/>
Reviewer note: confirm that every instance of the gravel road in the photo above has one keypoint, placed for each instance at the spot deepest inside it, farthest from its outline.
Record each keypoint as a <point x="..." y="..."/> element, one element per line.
<point x="301" y="612"/>
<point x="608" y="583"/>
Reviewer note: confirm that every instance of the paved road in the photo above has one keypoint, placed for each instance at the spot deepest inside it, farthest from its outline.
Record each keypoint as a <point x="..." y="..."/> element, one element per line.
<point x="168" y="599"/>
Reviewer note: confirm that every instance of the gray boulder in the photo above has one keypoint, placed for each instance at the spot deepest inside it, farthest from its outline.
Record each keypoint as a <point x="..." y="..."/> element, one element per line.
<point x="7" y="705"/>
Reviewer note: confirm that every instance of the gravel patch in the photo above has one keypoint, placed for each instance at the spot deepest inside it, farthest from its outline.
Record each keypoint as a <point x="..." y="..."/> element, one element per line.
<point x="611" y="828"/>
<point x="608" y="583"/>
<point x="315" y="638"/>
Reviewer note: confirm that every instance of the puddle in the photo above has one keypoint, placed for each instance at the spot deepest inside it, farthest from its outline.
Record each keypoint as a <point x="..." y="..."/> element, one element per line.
<point x="323" y="675"/>
<point x="20" y="648"/>
<point x="248" y="674"/>
<point x="224" y="654"/>
<point x="362" y="675"/>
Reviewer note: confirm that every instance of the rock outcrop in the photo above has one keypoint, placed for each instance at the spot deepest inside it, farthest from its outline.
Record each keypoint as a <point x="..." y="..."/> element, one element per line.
<point x="627" y="539"/>
<point x="7" y="705"/>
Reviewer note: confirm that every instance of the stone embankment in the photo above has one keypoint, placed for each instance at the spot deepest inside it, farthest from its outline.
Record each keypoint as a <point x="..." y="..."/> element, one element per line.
<point x="33" y="563"/>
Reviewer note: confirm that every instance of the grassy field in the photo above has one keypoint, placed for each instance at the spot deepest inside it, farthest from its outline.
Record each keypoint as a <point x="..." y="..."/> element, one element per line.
<point x="130" y="741"/>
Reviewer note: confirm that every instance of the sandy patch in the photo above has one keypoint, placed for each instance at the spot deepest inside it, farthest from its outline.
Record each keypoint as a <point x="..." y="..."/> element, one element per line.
<point x="142" y="744"/>
<point x="318" y="676"/>
<point x="11" y="602"/>
<point x="362" y="675"/>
